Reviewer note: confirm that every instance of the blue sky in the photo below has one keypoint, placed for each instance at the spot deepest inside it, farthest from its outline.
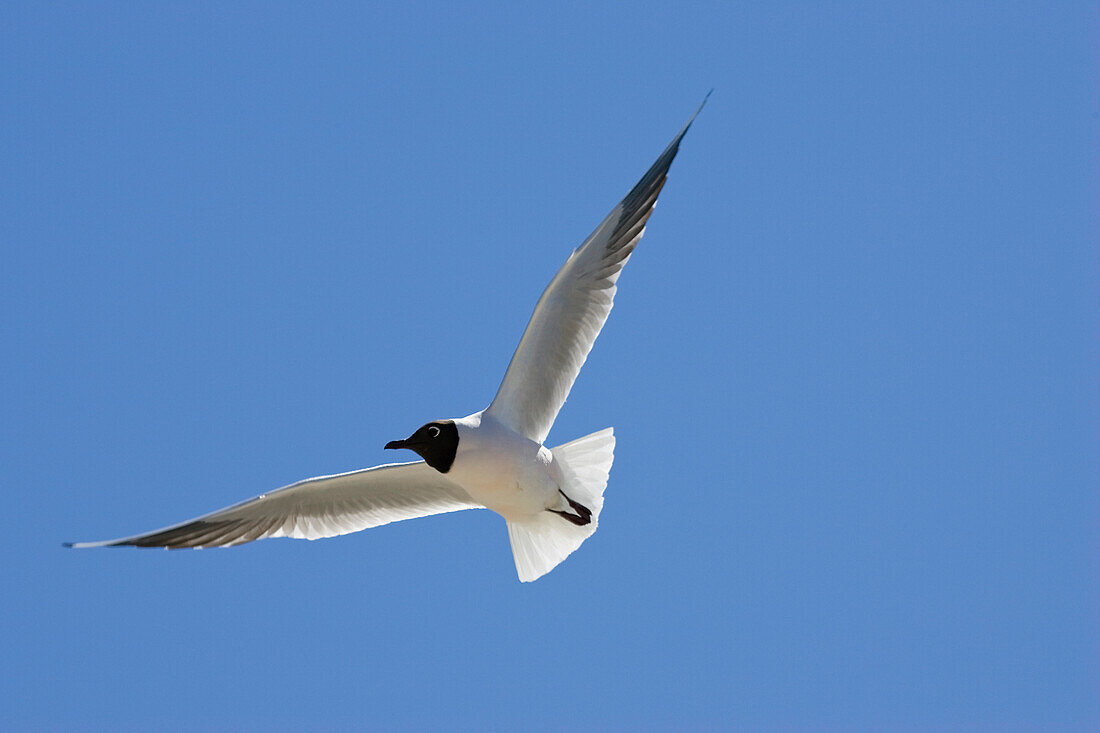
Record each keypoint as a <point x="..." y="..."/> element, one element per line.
<point x="852" y="366"/>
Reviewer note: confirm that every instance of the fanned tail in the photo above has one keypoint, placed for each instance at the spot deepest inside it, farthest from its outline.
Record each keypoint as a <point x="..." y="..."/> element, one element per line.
<point x="541" y="543"/>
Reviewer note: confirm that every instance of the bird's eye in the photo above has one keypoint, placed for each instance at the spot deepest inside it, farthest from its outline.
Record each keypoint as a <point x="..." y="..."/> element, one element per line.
<point x="433" y="431"/>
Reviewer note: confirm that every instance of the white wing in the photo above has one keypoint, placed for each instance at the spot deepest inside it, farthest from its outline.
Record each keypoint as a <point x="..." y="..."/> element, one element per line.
<point x="573" y="309"/>
<point x="325" y="506"/>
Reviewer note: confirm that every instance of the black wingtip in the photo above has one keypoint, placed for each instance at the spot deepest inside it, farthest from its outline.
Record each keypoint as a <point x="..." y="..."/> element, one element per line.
<point x="700" y="109"/>
<point x="675" y="144"/>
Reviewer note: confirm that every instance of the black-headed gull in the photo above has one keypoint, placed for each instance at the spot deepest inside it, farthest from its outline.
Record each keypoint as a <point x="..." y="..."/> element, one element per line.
<point x="550" y="497"/>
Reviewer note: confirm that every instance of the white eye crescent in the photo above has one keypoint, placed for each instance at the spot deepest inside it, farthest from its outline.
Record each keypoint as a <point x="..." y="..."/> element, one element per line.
<point x="433" y="431"/>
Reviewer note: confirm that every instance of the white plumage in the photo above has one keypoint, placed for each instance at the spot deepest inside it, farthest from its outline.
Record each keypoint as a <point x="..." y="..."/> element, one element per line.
<point x="551" y="499"/>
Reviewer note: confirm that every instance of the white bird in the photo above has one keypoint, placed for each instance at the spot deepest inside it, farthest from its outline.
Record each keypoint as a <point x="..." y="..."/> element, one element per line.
<point x="550" y="498"/>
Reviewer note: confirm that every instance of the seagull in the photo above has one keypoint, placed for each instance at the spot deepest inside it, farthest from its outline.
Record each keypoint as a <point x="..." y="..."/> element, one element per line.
<point x="550" y="498"/>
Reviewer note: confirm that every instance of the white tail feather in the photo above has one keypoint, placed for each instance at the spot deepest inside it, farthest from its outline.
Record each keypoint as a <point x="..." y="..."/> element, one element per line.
<point x="541" y="543"/>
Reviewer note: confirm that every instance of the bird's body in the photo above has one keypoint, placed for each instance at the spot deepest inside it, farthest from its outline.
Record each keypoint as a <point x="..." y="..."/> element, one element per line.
<point x="504" y="471"/>
<point x="551" y="498"/>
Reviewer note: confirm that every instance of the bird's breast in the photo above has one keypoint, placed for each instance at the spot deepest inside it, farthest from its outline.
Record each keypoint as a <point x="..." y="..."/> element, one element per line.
<point x="506" y="472"/>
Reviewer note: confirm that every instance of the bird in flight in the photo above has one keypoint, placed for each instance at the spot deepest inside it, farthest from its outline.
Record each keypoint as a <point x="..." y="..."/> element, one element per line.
<point x="550" y="498"/>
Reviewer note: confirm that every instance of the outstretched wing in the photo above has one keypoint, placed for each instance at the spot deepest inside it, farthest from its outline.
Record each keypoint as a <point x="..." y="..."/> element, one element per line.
<point x="573" y="309"/>
<point x="325" y="506"/>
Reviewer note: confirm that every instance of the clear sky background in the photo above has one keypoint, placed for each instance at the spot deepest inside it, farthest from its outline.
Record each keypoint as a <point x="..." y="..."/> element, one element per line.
<point x="852" y="367"/>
